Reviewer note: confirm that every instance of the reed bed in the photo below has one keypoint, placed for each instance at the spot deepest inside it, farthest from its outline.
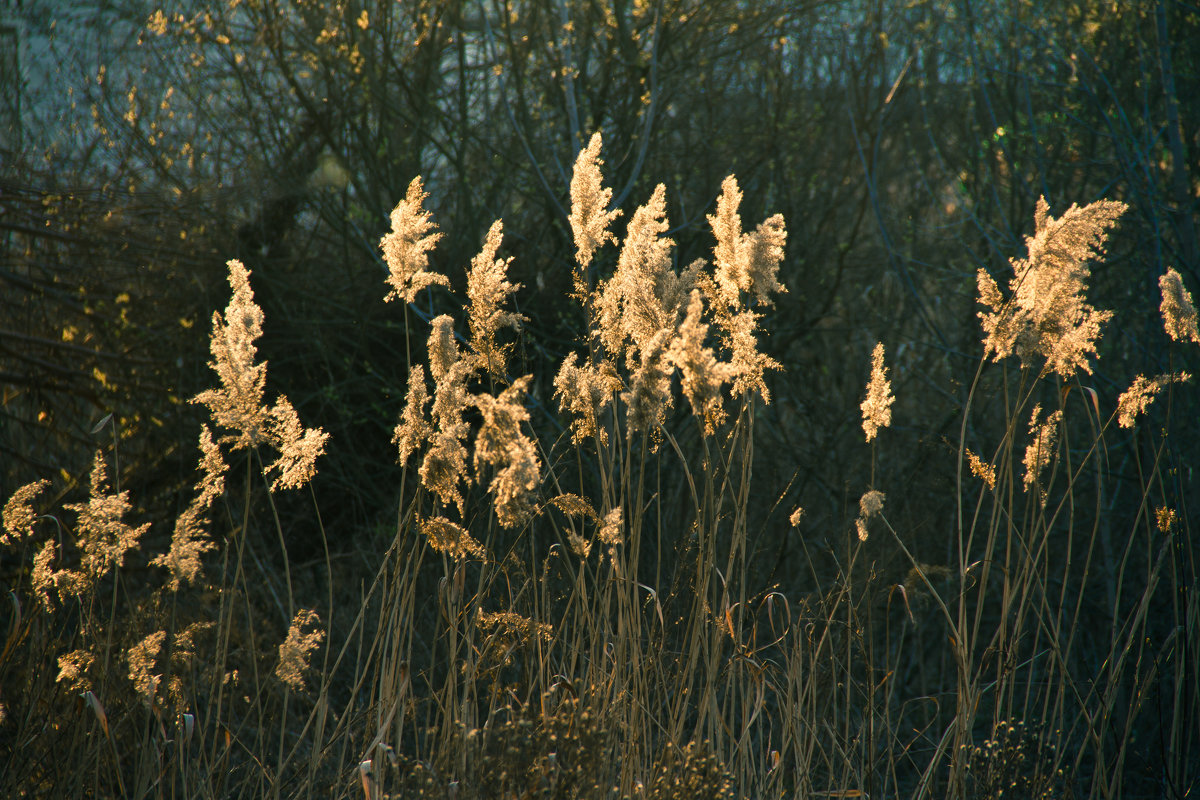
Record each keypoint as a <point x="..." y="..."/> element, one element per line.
<point x="565" y="604"/>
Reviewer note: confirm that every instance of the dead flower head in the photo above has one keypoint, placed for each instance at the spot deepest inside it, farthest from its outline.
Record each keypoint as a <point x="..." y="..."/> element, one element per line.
<point x="1046" y="314"/>
<point x="487" y="290"/>
<point x="448" y="537"/>
<point x="190" y="540"/>
<point x="406" y="248"/>
<point x="103" y="534"/>
<point x="1042" y="445"/>
<point x="142" y="657"/>
<point x="19" y="515"/>
<point x="877" y="406"/>
<point x="1179" y="315"/>
<point x="870" y="505"/>
<point x="590" y="216"/>
<point x="1137" y="398"/>
<point x="297" y="647"/>
<point x="583" y="392"/>
<point x="238" y="404"/>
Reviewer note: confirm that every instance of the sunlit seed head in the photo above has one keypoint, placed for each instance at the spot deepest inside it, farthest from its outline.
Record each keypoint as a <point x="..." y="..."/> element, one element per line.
<point x="406" y="248"/>
<point x="1179" y="315"/>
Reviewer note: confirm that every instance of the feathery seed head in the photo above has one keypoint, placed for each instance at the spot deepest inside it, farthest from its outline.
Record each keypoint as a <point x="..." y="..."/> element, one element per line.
<point x="1047" y="314"/>
<point x="452" y="539"/>
<point x="729" y="256"/>
<point x="1042" y="445"/>
<point x="298" y="447"/>
<point x="444" y="466"/>
<point x="296" y="648"/>
<point x="877" y="406"/>
<point x="765" y="254"/>
<point x="73" y="670"/>
<point x="590" y="216"/>
<point x="649" y="395"/>
<point x="574" y="506"/>
<point x="142" y="658"/>
<point x="19" y="515"/>
<point x="443" y="349"/>
<point x="514" y="627"/>
<point x="412" y="431"/>
<point x="190" y="541"/>
<point x="611" y="532"/>
<point x="981" y="469"/>
<point x="870" y="505"/>
<point x="745" y="261"/>
<point x="238" y="404"/>
<point x="487" y="289"/>
<point x="1138" y="397"/>
<point x="103" y="534"/>
<point x="702" y="374"/>
<point x="406" y="248"/>
<point x="501" y="442"/>
<point x="42" y="577"/>
<point x="583" y="392"/>
<point x="630" y="303"/>
<point x="1179" y="315"/>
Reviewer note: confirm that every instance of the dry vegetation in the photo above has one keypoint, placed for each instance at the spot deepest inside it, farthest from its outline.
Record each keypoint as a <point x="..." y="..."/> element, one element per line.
<point x="571" y="603"/>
